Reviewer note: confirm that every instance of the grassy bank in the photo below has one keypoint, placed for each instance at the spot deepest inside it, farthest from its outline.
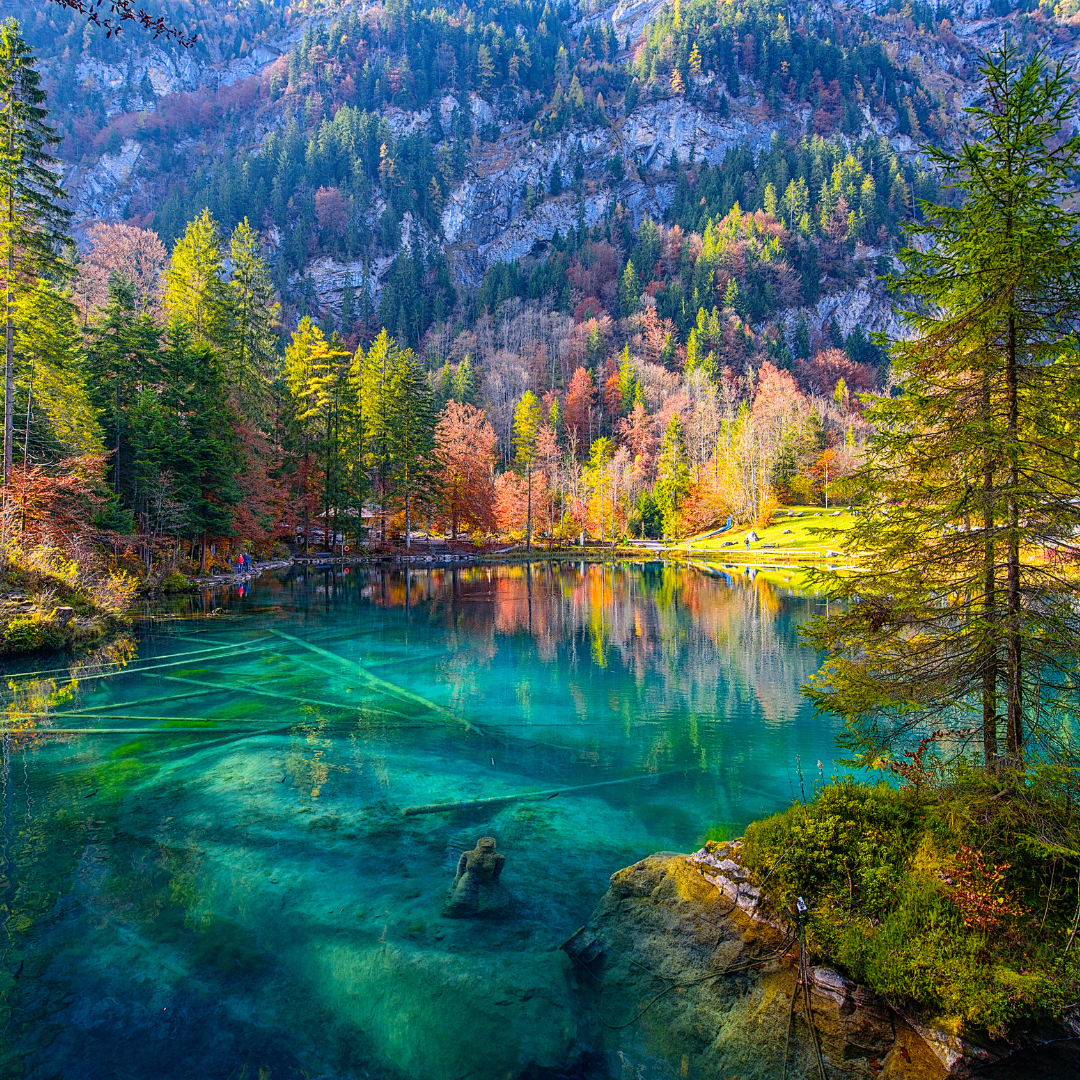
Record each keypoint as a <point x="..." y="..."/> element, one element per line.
<point x="795" y="532"/>
<point x="958" y="897"/>
<point x="50" y="601"/>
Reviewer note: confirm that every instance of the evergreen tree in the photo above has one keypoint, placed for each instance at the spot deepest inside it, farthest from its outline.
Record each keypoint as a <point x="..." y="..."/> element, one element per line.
<point x="33" y="221"/>
<point x="410" y="420"/>
<point x="197" y="441"/>
<point x="464" y="382"/>
<point x="254" y="317"/>
<point x="318" y="377"/>
<point x="123" y="360"/>
<point x="51" y="365"/>
<point x="973" y="470"/>
<point x="629" y="292"/>
<point x="194" y="292"/>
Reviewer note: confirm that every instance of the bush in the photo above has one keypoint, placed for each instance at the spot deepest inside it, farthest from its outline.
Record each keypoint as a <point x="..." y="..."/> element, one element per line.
<point x="24" y="633"/>
<point x="174" y="581"/>
<point x="943" y="897"/>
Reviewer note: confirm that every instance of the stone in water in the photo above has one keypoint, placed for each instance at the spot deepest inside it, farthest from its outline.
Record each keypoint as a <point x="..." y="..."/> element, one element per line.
<point x="477" y="891"/>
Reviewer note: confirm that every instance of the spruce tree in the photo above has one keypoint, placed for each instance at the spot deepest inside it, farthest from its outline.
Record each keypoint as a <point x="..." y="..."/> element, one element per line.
<point x="51" y="365"/>
<point x="673" y="474"/>
<point x="252" y="339"/>
<point x="123" y="359"/>
<point x="410" y="427"/>
<point x="33" y="221"/>
<point x="960" y="624"/>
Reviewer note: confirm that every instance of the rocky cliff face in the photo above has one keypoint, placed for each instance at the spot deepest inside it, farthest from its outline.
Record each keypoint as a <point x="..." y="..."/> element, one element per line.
<point x="676" y="981"/>
<point x="485" y="219"/>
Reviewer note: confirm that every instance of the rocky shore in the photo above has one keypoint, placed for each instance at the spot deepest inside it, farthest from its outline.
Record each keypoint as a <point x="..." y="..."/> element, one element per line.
<point x="684" y="970"/>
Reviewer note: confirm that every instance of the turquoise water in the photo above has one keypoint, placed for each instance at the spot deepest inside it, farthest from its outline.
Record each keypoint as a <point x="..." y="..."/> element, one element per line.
<point x="207" y="867"/>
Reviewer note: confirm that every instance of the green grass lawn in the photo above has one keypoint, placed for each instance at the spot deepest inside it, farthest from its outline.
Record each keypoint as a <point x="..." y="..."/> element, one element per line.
<point x="807" y="530"/>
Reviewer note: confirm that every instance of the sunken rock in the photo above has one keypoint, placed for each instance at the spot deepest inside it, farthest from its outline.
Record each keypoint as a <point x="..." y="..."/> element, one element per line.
<point x="477" y="891"/>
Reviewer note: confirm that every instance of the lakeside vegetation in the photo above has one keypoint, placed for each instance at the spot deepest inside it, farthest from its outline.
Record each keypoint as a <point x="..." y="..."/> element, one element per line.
<point x="952" y="656"/>
<point x="174" y="414"/>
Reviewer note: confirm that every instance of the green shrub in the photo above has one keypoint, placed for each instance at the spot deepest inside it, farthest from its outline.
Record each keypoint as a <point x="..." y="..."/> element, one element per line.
<point x="943" y="897"/>
<point x="23" y="633"/>
<point x="174" y="581"/>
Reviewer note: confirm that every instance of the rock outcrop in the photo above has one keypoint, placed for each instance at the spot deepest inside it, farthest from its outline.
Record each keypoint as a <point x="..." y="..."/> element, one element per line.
<point x="676" y="979"/>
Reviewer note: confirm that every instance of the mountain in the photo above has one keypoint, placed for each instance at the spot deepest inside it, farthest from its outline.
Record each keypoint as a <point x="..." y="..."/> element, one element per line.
<point x="414" y="155"/>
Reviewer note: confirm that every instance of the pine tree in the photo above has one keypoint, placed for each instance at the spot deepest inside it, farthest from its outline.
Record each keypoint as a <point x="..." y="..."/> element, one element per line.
<point x="973" y="470"/>
<point x="51" y="365"/>
<point x="673" y="475"/>
<point x="255" y="314"/>
<point x="123" y="360"/>
<point x="33" y="221"/>
<point x="629" y="291"/>
<point x="464" y="382"/>
<point x="410" y="418"/>
<point x="318" y="377"/>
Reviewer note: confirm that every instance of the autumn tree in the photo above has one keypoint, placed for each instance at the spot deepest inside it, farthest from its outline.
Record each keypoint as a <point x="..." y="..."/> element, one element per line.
<point x="527" y="420"/>
<point x="578" y="410"/>
<point x="317" y="374"/>
<point x="134" y="254"/>
<point x="465" y="462"/>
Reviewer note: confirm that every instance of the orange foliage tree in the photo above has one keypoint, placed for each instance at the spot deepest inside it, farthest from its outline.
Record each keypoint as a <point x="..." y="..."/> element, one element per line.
<point x="465" y="456"/>
<point x="580" y="400"/>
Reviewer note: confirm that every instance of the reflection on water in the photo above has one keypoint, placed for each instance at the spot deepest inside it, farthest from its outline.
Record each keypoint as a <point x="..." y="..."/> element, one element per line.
<point x="206" y="865"/>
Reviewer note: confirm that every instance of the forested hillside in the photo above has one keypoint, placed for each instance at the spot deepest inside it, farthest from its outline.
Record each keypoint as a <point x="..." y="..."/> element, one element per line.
<point x="612" y="270"/>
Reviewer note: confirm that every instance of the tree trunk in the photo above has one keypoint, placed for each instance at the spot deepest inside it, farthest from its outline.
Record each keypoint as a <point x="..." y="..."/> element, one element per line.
<point x="528" y="519"/>
<point x="202" y="556"/>
<point x="1014" y="731"/>
<point x="26" y="433"/>
<point x="990" y="664"/>
<point x="408" y="518"/>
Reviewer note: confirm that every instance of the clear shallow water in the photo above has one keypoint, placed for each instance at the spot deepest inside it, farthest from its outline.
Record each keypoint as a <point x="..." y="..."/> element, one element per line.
<point x="217" y="879"/>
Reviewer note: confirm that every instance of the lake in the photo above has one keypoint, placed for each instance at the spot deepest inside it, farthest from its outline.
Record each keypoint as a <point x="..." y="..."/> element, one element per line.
<point x="208" y="870"/>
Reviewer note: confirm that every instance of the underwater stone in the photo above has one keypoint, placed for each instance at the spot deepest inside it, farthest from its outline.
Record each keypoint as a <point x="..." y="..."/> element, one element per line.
<point x="476" y="891"/>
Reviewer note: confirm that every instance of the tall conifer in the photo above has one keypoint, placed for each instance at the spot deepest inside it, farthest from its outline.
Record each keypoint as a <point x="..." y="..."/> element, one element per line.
<point x="33" y="220"/>
<point x="961" y="623"/>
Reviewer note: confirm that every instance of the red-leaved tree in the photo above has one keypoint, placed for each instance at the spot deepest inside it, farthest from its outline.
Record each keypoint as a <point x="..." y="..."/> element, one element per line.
<point x="580" y="399"/>
<point x="136" y="254"/>
<point x="465" y="453"/>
